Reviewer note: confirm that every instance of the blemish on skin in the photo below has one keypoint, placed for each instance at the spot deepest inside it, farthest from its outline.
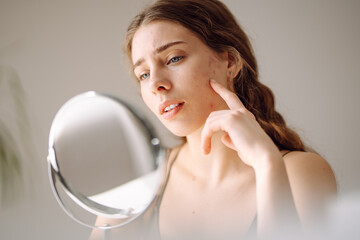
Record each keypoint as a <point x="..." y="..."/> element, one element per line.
<point x="212" y="65"/>
<point x="193" y="212"/>
<point x="211" y="106"/>
<point x="194" y="178"/>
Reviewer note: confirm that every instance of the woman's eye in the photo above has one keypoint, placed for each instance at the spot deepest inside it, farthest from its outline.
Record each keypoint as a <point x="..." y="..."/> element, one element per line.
<point x="144" y="76"/>
<point x="175" y="59"/>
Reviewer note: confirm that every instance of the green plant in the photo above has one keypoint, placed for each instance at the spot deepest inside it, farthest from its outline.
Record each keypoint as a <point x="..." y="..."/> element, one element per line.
<point x="14" y="133"/>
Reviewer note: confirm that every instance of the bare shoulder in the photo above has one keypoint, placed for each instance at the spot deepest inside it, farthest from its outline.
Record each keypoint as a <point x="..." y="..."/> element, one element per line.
<point x="312" y="183"/>
<point x="309" y="167"/>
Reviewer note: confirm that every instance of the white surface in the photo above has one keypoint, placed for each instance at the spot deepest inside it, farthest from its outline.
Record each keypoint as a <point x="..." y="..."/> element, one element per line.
<point x="133" y="196"/>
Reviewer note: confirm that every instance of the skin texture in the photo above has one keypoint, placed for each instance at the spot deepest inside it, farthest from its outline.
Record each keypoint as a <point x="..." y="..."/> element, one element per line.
<point x="186" y="80"/>
<point x="228" y="162"/>
<point x="229" y="170"/>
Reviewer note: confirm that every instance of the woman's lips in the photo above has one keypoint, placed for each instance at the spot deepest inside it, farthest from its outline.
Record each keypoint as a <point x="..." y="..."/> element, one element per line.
<point x="170" y="108"/>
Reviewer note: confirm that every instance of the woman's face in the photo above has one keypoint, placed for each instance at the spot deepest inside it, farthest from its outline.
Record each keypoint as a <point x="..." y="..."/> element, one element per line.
<point x="174" y="67"/>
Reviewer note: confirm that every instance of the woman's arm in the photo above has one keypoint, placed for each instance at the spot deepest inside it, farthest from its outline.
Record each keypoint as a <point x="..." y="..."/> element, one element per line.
<point x="313" y="186"/>
<point x="296" y="188"/>
<point x="290" y="192"/>
<point x="276" y="210"/>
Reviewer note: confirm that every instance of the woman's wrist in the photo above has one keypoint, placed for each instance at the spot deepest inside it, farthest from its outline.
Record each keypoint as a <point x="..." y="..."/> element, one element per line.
<point x="270" y="161"/>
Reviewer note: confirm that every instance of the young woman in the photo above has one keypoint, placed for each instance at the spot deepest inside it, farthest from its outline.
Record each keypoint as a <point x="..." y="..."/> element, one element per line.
<point x="240" y="166"/>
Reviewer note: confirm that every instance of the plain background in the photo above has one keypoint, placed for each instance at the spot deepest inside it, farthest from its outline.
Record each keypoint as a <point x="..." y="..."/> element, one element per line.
<point x="308" y="53"/>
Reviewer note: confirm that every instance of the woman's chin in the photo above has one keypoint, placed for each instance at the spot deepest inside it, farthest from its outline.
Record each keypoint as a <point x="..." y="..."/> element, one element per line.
<point x="178" y="133"/>
<point x="182" y="131"/>
<point x="177" y="130"/>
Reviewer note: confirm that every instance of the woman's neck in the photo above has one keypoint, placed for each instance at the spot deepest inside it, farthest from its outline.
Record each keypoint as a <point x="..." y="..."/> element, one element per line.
<point x="221" y="162"/>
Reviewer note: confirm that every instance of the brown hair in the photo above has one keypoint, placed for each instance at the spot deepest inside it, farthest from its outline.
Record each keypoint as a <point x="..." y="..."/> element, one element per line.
<point x="215" y="25"/>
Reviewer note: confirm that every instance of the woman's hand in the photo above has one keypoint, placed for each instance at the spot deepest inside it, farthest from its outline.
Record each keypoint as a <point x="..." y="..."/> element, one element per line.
<point x="242" y="132"/>
<point x="275" y="204"/>
<point x="303" y="178"/>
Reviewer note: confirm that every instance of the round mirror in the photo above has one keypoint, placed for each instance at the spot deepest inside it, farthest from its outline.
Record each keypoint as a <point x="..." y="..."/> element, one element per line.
<point x="104" y="160"/>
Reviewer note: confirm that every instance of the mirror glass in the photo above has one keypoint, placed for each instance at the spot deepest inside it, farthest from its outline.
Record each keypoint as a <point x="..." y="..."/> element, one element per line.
<point x="104" y="160"/>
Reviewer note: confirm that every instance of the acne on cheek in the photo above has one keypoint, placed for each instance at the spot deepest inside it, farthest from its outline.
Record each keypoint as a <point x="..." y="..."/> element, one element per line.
<point x="211" y="106"/>
<point x="213" y="66"/>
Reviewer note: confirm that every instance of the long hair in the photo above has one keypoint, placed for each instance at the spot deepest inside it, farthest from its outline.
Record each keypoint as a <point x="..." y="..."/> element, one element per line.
<point x="216" y="26"/>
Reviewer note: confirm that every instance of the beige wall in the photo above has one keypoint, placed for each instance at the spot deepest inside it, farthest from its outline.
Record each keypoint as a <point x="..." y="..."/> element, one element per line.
<point x="308" y="53"/>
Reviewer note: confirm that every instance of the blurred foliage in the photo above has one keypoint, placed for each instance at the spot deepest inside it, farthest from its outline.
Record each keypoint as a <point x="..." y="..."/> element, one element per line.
<point x="14" y="134"/>
<point x="10" y="164"/>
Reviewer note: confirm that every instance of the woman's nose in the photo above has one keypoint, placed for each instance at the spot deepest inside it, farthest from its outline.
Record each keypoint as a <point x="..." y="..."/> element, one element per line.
<point x="159" y="83"/>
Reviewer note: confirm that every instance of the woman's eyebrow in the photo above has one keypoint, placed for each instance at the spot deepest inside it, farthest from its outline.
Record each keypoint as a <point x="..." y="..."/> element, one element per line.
<point x="158" y="50"/>
<point x="166" y="46"/>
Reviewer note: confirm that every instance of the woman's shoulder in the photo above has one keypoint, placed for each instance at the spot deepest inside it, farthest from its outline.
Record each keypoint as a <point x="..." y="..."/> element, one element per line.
<point x="309" y="172"/>
<point x="309" y="161"/>
<point x="313" y="185"/>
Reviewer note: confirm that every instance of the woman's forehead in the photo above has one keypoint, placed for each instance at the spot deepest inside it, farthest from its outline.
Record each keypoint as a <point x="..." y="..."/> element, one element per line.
<point x="153" y="35"/>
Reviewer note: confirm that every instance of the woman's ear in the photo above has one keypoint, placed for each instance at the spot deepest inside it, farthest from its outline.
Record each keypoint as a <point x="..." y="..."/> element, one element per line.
<point x="234" y="63"/>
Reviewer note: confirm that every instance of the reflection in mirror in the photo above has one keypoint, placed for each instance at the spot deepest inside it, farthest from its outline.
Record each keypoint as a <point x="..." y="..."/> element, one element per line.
<point x="103" y="160"/>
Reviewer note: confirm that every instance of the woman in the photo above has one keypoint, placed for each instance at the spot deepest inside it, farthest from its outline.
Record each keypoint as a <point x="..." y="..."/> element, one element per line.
<point x="240" y="166"/>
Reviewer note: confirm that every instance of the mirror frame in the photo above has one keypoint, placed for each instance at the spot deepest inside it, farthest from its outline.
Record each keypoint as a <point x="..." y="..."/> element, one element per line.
<point x="81" y="200"/>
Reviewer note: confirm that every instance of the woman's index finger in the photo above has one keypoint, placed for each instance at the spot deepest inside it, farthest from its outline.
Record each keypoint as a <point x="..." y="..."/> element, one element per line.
<point x="230" y="97"/>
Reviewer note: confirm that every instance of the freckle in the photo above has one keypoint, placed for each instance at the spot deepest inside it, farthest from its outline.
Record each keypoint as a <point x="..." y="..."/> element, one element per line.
<point x="193" y="212"/>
